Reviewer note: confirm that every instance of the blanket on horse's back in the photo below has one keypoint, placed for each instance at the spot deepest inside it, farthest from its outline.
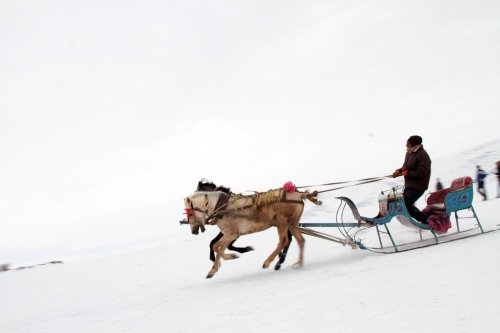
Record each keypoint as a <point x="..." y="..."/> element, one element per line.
<point x="275" y="196"/>
<point x="259" y="199"/>
<point x="229" y="201"/>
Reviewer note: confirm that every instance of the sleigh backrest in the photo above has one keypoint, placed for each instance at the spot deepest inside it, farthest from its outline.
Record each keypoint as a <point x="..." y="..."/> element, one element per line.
<point x="460" y="183"/>
<point x="460" y="196"/>
<point x="457" y="197"/>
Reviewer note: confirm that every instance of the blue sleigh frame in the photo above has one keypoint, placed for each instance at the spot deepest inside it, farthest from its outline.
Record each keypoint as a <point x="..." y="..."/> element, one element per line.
<point x="454" y="201"/>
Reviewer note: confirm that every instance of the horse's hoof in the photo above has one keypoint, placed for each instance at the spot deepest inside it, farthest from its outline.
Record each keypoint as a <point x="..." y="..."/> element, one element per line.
<point x="277" y="267"/>
<point x="235" y="256"/>
<point x="297" y="265"/>
<point x="249" y="248"/>
<point x="265" y="266"/>
<point x="209" y="276"/>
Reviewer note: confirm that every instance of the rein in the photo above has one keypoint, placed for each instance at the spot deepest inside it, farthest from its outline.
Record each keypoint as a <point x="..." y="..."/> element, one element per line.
<point x="357" y="183"/>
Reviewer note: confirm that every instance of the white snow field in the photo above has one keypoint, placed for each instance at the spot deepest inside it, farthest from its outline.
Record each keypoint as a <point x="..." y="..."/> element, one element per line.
<point x="452" y="287"/>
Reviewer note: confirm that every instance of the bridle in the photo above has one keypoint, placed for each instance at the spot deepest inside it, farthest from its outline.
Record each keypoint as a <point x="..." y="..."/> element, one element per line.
<point x="191" y="216"/>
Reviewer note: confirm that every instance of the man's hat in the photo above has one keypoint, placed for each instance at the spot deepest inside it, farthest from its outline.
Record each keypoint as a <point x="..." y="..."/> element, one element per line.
<point x="415" y="140"/>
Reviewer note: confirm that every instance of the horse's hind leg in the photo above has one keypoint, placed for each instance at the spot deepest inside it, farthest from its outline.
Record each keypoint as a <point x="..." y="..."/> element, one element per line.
<point x="301" y="241"/>
<point x="283" y="239"/>
<point x="220" y="247"/>
<point x="282" y="255"/>
<point x="215" y="240"/>
<point x="231" y="247"/>
<point x="239" y="249"/>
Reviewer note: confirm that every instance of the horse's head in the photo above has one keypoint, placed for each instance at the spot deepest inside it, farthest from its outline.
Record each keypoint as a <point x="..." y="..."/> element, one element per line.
<point x="198" y="207"/>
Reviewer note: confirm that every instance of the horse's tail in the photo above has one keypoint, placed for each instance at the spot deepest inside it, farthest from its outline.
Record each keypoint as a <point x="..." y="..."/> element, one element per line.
<point x="312" y="196"/>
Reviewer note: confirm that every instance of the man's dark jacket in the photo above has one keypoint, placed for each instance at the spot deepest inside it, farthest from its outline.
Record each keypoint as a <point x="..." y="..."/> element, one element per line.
<point x="418" y="165"/>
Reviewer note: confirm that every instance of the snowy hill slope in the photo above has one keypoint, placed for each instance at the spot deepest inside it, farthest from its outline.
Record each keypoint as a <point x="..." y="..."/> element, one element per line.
<point x="109" y="111"/>
<point x="446" y="168"/>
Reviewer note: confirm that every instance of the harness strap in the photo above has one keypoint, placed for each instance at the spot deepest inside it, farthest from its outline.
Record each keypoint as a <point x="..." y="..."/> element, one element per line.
<point x="272" y="222"/>
<point x="227" y="211"/>
<point x="223" y="199"/>
<point x="219" y="210"/>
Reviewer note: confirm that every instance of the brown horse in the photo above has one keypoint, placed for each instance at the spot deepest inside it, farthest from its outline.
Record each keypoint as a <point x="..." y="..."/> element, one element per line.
<point x="246" y="214"/>
<point x="208" y="186"/>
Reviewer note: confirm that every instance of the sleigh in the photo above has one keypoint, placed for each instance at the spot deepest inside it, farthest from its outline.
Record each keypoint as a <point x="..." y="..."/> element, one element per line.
<point x="211" y="204"/>
<point x="454" y="201"/>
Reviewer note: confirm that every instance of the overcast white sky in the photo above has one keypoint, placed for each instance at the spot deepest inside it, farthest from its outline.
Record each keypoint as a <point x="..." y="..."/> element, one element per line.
<point x="110" y="111"/>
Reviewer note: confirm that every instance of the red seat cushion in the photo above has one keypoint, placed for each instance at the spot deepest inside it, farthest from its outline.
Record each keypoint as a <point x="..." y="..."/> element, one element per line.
<point x="438" y="196"/>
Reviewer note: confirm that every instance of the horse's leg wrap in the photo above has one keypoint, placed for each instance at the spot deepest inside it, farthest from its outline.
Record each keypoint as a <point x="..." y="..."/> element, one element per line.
<point x="281" y="245"/>
<point x="282" y="255"/>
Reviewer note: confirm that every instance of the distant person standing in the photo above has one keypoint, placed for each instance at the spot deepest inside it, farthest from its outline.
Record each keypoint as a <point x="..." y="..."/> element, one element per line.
<point x="416" y="170"/>
<point x="498" y="176"/>
<point x="480" y="175"/>
<point x="439" y="185"/>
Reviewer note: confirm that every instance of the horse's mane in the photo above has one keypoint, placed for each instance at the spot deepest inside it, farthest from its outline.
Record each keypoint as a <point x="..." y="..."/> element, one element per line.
<point x="205" y="185"/>
<point x="208" y="186"/>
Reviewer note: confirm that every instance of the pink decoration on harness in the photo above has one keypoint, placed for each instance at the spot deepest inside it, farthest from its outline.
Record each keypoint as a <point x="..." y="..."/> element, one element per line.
<point x="289" y="187"/>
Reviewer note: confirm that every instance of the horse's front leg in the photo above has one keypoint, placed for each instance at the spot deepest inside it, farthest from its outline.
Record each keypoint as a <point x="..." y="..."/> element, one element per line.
<point x="301" y="241"/>
<point x="283" y="240"/>
<point x="219" y="249"/>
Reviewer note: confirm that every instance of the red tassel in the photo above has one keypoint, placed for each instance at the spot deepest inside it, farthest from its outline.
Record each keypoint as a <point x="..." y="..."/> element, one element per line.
<point x="289" y="187"/>
<point x="189" y="213"/>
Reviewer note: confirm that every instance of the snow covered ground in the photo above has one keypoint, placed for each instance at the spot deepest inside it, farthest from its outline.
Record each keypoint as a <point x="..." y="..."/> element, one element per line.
<point x="453" y="287"/>
<point x="110" y="111"/>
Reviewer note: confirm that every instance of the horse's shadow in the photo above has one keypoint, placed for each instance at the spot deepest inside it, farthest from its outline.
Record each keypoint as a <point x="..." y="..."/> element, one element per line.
<point x="317" y="265"/>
